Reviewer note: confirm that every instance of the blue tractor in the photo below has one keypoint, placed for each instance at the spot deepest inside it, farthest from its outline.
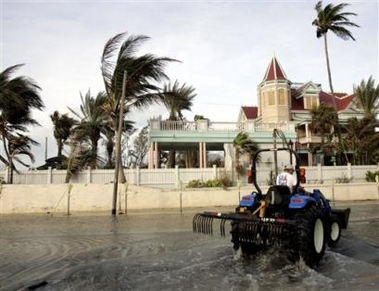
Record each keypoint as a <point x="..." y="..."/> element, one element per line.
<point x="302" y="222"/>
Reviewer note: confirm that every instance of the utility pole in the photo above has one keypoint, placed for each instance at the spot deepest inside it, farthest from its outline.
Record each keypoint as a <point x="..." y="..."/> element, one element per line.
<point x="118" y="146"/>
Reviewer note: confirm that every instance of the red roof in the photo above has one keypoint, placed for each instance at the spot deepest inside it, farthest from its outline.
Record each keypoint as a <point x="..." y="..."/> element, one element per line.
<point x="342" y="100"/>
<point x="251" y="112"/>
<point x="274" y="71"/>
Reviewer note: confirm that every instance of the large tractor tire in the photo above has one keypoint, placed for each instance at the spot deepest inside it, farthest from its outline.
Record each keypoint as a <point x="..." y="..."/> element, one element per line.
<point x="334" y="230"/>
<point x="311" y="238"/>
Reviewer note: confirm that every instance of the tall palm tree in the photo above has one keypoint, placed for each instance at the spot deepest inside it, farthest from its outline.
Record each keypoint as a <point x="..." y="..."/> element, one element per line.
<point x="368" y="97"/>
<point x="18" y="97"/>
<point x="93" y="119"/>
<point x="63" y="125"/>
<point x="332" y="18"/>
<point x="143" y="73"/>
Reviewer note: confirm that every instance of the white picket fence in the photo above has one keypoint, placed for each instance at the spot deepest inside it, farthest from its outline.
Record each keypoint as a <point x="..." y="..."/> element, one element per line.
<point x="176" y="177"/>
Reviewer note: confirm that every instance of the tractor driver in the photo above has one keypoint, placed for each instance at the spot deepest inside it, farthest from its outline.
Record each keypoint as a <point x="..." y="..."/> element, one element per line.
<point x="287" y="178"/>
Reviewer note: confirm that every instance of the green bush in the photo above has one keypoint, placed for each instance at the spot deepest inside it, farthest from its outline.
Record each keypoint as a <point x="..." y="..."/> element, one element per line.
<point x="212" y="183"/>
<point x="370" y="176"/>
<point x="195" y="184"/>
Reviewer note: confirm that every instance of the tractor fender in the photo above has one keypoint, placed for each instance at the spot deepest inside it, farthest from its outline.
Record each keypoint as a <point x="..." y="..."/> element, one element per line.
<point x="300" y="201"/>
<point x="248" y="200"/>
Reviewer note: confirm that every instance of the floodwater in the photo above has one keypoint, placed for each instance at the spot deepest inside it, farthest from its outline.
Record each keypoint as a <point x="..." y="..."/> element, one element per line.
<point x="158" y="251"/>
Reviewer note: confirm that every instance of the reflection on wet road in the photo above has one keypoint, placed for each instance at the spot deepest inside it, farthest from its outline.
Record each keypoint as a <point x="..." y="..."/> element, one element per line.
<point x="158" y="251"/>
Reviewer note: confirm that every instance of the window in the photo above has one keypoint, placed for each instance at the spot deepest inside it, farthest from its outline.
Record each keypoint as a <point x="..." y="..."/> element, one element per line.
<point x="282" y="97"/>
<point x="271" y="98"/>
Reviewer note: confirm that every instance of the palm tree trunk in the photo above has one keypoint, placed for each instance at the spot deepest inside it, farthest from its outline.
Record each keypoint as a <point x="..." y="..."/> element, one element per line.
<point x="334" y="100"/>
<point x="328" y="64"/>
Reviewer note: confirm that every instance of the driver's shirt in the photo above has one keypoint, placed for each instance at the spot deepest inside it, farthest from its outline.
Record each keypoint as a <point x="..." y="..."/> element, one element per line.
<point x="286" y="179"/>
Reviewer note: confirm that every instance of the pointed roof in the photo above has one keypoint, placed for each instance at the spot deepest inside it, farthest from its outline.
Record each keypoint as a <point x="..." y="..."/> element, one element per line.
<point x="274" y="71"/>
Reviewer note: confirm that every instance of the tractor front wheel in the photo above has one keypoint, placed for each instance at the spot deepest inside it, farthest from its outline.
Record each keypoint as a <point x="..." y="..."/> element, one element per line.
<point x="334" y="231"/>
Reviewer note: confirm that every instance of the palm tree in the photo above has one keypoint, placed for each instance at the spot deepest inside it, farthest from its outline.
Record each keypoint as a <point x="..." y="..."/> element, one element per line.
<point x="363" y="140"/>
<point x="143" y="73"/>
<point x="332" y="18"/>
<point x="323" y="120"/>
<point x="18" y="97"/>
<point x="176" y="100"/>
<point x="63" y="125"/>
<point x="92" y="121"/>
<point x="368" y="97"/>
<point x="243" y="145"/>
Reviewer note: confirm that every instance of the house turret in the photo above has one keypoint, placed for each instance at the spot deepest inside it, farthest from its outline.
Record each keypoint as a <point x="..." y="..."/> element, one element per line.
<point x="274" y="94"/>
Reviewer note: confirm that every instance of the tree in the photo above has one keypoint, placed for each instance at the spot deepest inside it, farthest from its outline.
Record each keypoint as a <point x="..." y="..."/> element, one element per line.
<point x="18" y="97"/>
<point x="368" y="97"/>
<point x="143" y="73"/>
<point x="363" y="140"/>
<point x="323" y="120"/>
<point x="93" y="119"/>
<point x="63" y="125"/>
<point x="176" y="100"/>
<point x="242" y="145"/>
<point x="332" y="18"/>
<point x="138" y="152"/>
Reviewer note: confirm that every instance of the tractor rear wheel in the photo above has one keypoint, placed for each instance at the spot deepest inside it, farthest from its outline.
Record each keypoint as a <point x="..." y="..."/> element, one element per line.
<point x="311" y="236"/>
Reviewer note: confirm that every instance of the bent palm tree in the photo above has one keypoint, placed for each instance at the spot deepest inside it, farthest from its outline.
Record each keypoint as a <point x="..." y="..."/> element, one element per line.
<point x="18" y="96"/>
<point x="332" y="18"/>
<point x="92" y="122"/>
<point x="178" y="99"/>
<point x="63" y="125"/>
<point x="143" y="73"/>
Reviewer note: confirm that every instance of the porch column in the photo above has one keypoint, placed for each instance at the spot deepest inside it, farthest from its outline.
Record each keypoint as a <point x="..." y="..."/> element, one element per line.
<point x="200" y="155"/>
<point x="204" y="154"/>
<point x="151" y="156"/>
<point x="156" y="155"/>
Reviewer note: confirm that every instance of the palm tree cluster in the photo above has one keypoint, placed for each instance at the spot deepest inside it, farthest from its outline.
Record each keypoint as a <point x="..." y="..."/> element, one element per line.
<point x="128" y="78"/>
<point x="361" y="136"/>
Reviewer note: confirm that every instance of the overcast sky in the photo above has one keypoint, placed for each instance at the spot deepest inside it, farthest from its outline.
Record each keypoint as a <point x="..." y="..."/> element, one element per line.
<point x="224" y="48"/>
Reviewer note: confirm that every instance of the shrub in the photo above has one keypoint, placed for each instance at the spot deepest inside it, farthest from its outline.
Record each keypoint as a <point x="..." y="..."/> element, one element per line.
<point x="370" y="176"/>
<point x="223" y="182"/>
<point x="344" y="179"/>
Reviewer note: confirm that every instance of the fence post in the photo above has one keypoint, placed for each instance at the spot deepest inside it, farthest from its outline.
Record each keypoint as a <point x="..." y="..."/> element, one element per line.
<point x="6" y="175"/>
<point x="138" y="172"/>
<point x="89" y="173"/>
<point x="319" y="173"/>
<point x="177" y="180"/>
<point x="349" y="173"/>
<point x="214" y="172"/>
<point x="49" y="175"/>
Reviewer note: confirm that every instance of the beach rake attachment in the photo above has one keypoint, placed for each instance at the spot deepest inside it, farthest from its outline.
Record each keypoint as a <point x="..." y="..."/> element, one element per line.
<point x="244" y="228"/>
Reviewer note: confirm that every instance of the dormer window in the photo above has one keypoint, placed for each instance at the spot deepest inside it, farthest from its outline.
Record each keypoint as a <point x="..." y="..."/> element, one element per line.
<point x="310" y="102"/>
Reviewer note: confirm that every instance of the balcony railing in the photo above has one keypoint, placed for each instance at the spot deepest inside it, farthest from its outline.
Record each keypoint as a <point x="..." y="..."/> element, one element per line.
<point x="205" y="125"/>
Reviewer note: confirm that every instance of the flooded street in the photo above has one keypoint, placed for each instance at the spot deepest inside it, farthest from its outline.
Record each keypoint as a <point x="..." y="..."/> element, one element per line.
<point x="158" y="251"/>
